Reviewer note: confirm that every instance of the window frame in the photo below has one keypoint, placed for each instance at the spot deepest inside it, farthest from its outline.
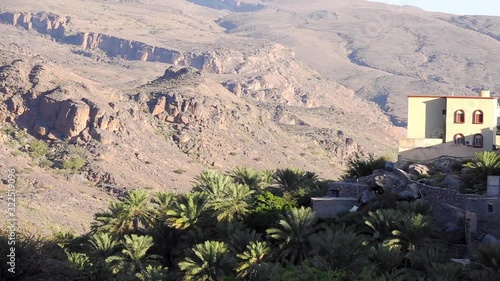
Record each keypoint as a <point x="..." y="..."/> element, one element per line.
<point x="457" y="137"/>
<point x="456" y="115"/>
<point x="477" y="137"/>
<point x="478" y="113"/>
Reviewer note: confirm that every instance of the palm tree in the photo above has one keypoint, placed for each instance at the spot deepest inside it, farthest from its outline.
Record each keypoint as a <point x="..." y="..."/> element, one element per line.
<point x="419" y="206"/>
<point x="484" y="164"/>
<point x="292" y="179"/>
<point x="240" y="239"/>
<point x="131" y="215"/>
<point x="114" y="220"/>
<point x="103" y="244"/>
<point x="256" y="180"/>
<point x="414" y="231"/>
<point x="381" y="224"/>
<point x="292" y="233"/>
<point x="234" y="205"/>
<point x="163" y="202"/>
<point x="139" y="209"/>
<point x="445" y="272"/>
<point x="247" y="176"/>
<point x="212" y="183"/>
<point x="253" y="264"/>
<point x="187" y="210"/>
<point x="267" y="177"/>
<point x="489" y="256"/>
<point x="133" y="258"/>
<point x="206" y="262"/>
<point x="152" y="273"/>
<point x="385" y="258"/>
<point x="423" y="258"/>
<point x="78" y="261"/>
<point x="337" y="247"/>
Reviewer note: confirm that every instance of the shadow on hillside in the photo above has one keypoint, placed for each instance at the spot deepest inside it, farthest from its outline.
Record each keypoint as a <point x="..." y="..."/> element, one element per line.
<point x="230" y="5"/>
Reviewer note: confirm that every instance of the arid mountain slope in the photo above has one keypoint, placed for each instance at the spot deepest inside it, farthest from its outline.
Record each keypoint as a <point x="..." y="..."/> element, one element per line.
<point x="382" y="52"/>
<point x="158" y="136"/>
<point x="147" y="94"/>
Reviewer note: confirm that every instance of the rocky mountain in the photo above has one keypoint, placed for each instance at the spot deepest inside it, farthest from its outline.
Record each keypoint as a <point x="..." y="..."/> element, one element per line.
<point x="128" y="94"/>
<point x="382" y="52"/>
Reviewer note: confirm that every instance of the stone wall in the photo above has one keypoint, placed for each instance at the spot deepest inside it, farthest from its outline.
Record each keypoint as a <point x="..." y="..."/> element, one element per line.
<point x="488" y="224"/>
<point x="329" y="207"/>
<point x="443" y="201"/>
<point x="346" y="189"/>
<point x="439" y="196"/>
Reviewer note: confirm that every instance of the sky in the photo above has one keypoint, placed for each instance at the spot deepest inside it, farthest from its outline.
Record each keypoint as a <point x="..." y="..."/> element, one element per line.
<point x="461" y="7"/>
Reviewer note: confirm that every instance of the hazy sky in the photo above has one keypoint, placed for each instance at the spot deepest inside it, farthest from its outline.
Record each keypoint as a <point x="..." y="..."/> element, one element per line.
<point x="462" y="7"/>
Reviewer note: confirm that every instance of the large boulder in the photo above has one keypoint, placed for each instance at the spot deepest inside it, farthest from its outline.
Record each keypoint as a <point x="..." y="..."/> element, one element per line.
<point x="419" y="170"/>
<point x="415" y="190"/>
<point x="16" y="105"/>
<point x="390" y="182"/>
<point x="73" y="118"/>
<point x="446" y="213"/>
<point x="159" y="106"/>
<point x="406" y="195"/>
<point x="404" y="176"/>
<point x="444" y="165"/>
<point x="490" y="239"/>
<point x="453" y="182"/>
<point x="451" y="227"/>
<point x="367" y="196"/>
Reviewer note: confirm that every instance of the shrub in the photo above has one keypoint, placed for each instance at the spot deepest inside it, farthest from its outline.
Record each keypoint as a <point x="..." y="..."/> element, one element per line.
<point x="45" y="163"/>
<point x="266" y="210"/>
<point x="38" y="149"/>
<point x="361" y="168"/>
<point x="269" y="202"/>
<point x="307" y="272"/>
<point x="74" y="163"/>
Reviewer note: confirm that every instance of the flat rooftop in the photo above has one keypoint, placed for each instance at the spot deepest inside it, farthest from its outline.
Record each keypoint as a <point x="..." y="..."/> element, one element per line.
<point x="454" y="97"/>
<point x="333" y="198"/>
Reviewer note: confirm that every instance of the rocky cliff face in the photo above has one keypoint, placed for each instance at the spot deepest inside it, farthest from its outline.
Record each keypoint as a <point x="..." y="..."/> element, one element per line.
<point x="264" y="71"/>
<point x="134" y="50"/>
<point x="57" y="27"/>
<point x="45" y="23"/>
<point x="52" y="111"/>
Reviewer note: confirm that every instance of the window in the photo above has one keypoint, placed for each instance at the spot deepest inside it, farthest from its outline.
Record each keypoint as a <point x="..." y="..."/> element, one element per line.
<point x="478" y="140"/>
<point x="459" y="116"/>
<point x="477" y="117"/>
<point x="490" y="208"/>
<point x="459" y="139"/>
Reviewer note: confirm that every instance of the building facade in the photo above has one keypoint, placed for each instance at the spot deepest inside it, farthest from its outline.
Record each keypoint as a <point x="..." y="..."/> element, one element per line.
<point x="457" y="126"/>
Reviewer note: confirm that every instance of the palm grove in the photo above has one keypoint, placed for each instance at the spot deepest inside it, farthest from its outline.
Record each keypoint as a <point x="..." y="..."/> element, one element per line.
<point x="252" y="225"/>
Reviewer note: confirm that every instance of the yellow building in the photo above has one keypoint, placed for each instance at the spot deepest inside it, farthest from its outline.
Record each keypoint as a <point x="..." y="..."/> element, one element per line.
<point x="456" y="126"/>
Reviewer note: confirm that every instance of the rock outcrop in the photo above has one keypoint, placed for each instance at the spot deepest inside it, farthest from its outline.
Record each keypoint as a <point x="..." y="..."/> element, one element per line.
<point x="56" y="26"/>
<point x="52" y="112"/>
<point x="42" y="22"/>
<point x="135" y="50"/>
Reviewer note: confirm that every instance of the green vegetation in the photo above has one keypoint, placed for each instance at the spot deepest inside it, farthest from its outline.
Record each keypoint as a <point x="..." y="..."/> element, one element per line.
<point x="38" y="149"/>
<point x="49" y="154"/>
<point x="484" y="164"/>
<point x="73" y="163"/>
<point x="363" y="167"/>
<point x="251" y="225"/>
